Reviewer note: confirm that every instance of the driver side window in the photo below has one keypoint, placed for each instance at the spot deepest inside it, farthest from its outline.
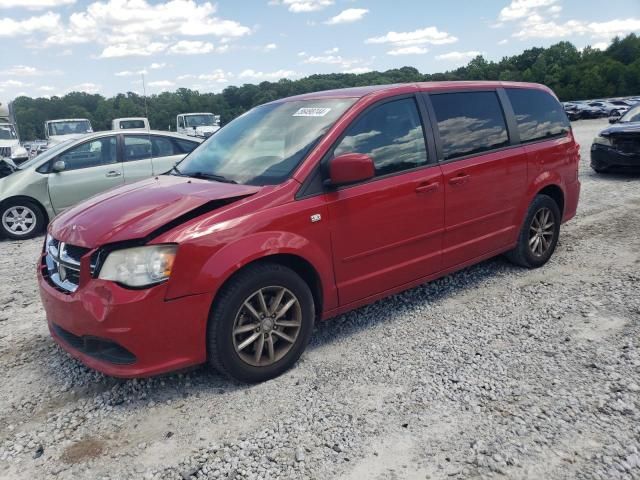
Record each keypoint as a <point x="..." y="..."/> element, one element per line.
<point x="101" y="151"/>
<point x="391" y="134"/>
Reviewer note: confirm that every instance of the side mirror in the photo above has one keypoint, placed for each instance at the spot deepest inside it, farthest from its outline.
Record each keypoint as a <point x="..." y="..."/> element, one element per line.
<point x="58" y="166"/>
<point x="350" y="168"/>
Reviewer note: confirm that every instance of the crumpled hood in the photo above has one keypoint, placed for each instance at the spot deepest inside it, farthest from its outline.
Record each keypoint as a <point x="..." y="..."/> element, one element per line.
<point x="137" y="210"/>
<point x="624" y="128"/>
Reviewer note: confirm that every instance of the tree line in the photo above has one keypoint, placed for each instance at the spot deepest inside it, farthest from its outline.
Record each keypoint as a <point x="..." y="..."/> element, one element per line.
<point x="571" y="73"/>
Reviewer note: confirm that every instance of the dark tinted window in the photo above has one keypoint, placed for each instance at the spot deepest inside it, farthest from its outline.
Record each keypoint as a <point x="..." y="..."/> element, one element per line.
<point x="391" y="134"/>
<point x="469" y="123"/>
<point x="185" y="146"/>
<point x="101" y="151"/>
<point x="136" y="147"/>
<point x="538" y="114"/>
<point x="124" y="124"/>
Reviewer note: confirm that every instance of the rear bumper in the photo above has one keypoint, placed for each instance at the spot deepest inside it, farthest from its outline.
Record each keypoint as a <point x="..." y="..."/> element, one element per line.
<point x="127" y="333"/>
<point x="603" y="157"/>
<point x="572" y="196"/>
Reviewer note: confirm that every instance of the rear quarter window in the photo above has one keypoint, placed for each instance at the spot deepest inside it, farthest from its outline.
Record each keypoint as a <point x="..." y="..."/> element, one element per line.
<point x="538" y="114"/>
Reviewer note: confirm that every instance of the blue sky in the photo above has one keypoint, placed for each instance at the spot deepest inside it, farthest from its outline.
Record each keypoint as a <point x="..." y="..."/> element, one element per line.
<point x="50" y="47"/>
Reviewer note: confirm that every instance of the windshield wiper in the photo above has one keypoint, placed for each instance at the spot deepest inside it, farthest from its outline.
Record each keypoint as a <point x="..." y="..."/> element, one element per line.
<point x="177" y="172"/>
<point x="210" y="176"/>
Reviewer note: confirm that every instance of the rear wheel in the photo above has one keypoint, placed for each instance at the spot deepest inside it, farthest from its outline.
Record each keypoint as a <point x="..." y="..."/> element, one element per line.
<point x="261" y="323"/>
<point x="21" y="219"/>
<point x="539" y="235"/>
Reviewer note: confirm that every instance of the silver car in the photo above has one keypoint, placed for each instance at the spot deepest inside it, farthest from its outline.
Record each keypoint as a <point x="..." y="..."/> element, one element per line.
<point x="77" y="169"/>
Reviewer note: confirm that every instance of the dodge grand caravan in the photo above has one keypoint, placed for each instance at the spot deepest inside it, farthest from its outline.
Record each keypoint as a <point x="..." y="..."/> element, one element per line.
<point x="302" y="209"/>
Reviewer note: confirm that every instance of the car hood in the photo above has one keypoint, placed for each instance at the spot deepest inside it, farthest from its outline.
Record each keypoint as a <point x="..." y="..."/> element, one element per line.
<point x="9" y="143"/>
<point x="622" y="128"/>
<point x="139" y="210"/>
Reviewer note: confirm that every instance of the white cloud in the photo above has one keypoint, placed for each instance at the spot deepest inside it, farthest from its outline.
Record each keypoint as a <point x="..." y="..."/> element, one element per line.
<point x="142" y="27"/>
<point x="46" y="88"/>
<point x="600" y="45"/>
<point x="129" y="50"/>
<point x="35" y="4"/>
<point x="157" y="66"/>
<point x="86" y="87"/>
<point x="277" y="75"/>
<point x="270" y="46"/>
<point x="303" y="6"/>
<point x="536" y="26"/>
<point x="162" y="84"/>
<point x="518" y="9"/>
<point x="328" y="59"/>
<point x="415" y="50"/>
<point x="21" y="71"/>
<point x="217" y="76"/>
<point x="428" y="35"/>
<point x="357" y="70"/>
<point x="191" y="47"/>
<point x="504" y="41"/>
<point x="11" y="28"/>
<point x="458" y="56"/>
<point x="14" y="84"/>
<point x="349" y="15"/>
<point x="130" y="73"/>
<point x="331" y="51"/>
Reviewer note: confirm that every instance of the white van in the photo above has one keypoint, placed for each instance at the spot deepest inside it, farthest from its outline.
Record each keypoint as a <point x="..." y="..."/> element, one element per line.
<point x="130" y="123"/>
<point x="57" y="131"/>
<point x="201" y="125"/>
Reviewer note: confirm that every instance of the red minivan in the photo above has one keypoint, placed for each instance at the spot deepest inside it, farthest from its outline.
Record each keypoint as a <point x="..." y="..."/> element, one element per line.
<point x="300" y="210"/>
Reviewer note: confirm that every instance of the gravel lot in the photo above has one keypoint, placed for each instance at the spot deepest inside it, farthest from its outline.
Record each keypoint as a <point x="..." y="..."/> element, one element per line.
<point x="492" y="372"/>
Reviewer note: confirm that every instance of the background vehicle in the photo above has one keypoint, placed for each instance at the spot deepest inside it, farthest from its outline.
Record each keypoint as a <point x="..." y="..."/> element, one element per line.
<point x="9" y="142"/>
<point x="619" y="145"/>
<point x="57" y="131"/>
<point x="302" y="209"/>
<point x="74" y="170"/>
<point x="197" y="124"/>
<point x="130" y="123"/>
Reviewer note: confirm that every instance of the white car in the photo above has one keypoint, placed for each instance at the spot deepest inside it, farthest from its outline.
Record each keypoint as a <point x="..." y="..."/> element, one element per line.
<point x="10" y="144"/>
<point x="57" y="131"/>
<point x="201" y="125"/>
<point x="130" y="123"/>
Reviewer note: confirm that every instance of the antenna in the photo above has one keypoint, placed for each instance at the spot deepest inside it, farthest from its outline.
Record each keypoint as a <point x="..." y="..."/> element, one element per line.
<point x="144" y="91"/>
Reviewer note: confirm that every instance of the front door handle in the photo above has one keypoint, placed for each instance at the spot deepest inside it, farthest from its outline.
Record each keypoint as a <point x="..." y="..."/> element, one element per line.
<point x="459" y="180"/>
<point x="112" y="173"/>
<point x="427" y="188"/>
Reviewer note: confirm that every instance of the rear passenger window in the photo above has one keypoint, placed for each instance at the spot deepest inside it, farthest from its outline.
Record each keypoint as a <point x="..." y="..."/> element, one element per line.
<point x="161" y="146"/>
<point x="469" y="123"/>
<point x="136" y="147"/>
<point x="185" y="146"/>
<point x="391" y="134"/>
<point x="538" y="114"/>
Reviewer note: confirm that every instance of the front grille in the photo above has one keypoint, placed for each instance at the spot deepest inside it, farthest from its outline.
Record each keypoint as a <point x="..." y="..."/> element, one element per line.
<point x="628" y="145"/>
<point x="98" y="348"/>
<point x="62" y="264"/>
<point x="5" y="152"/>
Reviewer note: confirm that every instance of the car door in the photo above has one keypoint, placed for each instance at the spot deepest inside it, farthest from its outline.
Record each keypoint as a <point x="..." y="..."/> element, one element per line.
<point x="387" y="232"/>
<point x="166" y="152"/>
<point x="136" y="157"/>
<point x="484" y="171"/>
<point x="89" y="168"/>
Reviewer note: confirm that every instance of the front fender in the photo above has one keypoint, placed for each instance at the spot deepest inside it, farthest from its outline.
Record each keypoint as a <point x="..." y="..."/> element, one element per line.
<point x="210" y="275"/>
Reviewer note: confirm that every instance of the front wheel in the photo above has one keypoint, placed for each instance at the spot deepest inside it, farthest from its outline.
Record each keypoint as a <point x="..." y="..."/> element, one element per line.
<point x="21" y="219"/>
<point x="539" y="235"/>
<point x="260" y="323"/>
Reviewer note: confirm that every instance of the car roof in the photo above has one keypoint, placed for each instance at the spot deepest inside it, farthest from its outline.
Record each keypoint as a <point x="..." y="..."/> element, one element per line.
<point x="68" y="120"/>
<point x="400" y="88"/>
<point x="134" y="131"/>
<point x="129" y="118"/>
<point x="196" y="113"/>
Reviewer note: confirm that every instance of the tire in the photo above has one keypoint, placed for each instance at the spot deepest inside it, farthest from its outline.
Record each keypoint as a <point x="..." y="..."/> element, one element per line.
<point x="528" y="252"/>
<point x="227" y="347"/>
<point x="31" y="221"/>
<point x="598" y="169"/>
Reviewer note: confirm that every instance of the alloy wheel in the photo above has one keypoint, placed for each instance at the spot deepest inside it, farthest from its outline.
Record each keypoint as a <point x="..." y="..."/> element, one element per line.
<point x="266" y="326"/>
<point x="541" y="232"/>
<point x="19" y="220"/>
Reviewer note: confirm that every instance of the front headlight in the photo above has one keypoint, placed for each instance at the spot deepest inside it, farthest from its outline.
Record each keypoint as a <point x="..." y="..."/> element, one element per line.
<point x="19" y="152"/>
<point x="139" y="266"/>
<point x="603" y="141"/>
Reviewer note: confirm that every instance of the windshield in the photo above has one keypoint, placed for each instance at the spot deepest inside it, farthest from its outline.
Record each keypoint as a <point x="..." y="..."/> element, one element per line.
<point x="632" y="115"/>
<point x="7" y="132"/>
<point x="70" y="127"/>
<point x="46" y="155"/>
<point x="125" y="124"/>
<point x="205" y="120"/>
<point x="266" y="144"/>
